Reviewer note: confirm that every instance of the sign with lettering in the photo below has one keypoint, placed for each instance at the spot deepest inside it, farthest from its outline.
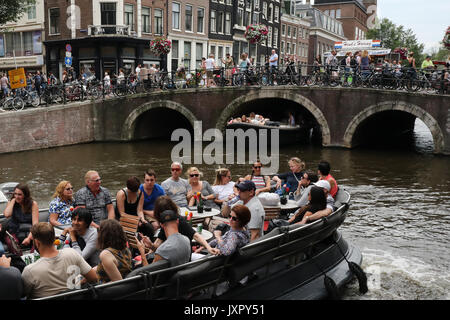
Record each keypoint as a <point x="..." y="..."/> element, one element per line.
<point x="357" y="44"/>
<point x="17" y="78"/>
<point x="68" y="61"/>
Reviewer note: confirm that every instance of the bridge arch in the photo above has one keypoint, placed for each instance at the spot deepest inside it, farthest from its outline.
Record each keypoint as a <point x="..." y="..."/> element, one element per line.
<point x="430" y="121"/>
<point x="270" y="93"/>
<point x="129" y="126"/>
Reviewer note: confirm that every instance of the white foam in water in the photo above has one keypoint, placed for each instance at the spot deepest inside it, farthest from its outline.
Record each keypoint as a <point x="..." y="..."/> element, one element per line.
<point x="395" y="277"/>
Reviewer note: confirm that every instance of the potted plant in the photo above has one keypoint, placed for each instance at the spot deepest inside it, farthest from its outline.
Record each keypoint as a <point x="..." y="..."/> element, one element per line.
<point x="160" y="45"/>
<point x="256" y="33"/>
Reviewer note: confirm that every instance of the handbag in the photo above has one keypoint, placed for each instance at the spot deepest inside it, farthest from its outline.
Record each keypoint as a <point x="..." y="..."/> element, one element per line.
<point x="13" y="244"/>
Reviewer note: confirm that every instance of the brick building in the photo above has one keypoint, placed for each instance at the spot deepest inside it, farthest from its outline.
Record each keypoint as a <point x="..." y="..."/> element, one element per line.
<point x="294" y="38"/>
<point x="21" y="41"/>
<point x="104" y="36"/>
<point x="220" y="29"/>
<point x="352" y="14"/>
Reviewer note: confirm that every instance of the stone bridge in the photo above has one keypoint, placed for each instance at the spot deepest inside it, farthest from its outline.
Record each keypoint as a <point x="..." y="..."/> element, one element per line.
<point x="339" y="117"/>
<point x="342" y="117"/>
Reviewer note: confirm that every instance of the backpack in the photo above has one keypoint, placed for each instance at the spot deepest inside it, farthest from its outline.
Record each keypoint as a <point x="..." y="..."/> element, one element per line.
<point x="13" y="244"/>
<point x="343" y="62"/>
<point x="353" y="62"/>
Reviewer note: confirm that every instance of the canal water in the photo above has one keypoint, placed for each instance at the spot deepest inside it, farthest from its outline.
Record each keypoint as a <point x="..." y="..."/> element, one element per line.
<point x="399" y="215"/>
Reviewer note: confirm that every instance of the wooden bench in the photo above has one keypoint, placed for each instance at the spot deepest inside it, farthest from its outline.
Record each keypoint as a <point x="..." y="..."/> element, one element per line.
<point x="272" y="213"/>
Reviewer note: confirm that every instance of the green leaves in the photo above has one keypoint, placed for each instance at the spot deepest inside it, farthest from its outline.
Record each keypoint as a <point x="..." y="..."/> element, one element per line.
<point x="12" y="10"/>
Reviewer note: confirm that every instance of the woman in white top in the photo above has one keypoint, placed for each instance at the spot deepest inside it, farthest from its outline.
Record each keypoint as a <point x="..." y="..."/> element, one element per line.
<point x="210" y="65"/>
<point x="223" y="186"/>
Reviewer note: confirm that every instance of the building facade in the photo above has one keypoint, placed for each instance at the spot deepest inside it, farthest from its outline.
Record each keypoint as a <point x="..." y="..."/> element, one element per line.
<point x="188" y="31"/>
<point x="352" y="14"/>
<point x="294" y="37"/>
<point x="324" y="31"/>
<point x="220" y="29"/>
<point x="248" y="12"/>
<point x="103" y="36"/>
<point x="21" y="41"/>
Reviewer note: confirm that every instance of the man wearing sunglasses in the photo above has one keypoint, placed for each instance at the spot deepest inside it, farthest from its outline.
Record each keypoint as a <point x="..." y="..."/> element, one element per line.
<point x="175" y="187"/>
<point x="95" y="198"/>
<point x="247" y="190"/>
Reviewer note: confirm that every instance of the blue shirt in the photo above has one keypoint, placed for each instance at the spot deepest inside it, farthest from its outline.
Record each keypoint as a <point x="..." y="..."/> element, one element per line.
<point x="62" y="208"/>
<point x="149" y="199"/>
<point x="271" y="62"/>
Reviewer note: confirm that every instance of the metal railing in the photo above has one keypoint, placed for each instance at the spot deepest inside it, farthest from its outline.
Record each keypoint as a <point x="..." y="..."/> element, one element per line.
<point x="109" y="30"/>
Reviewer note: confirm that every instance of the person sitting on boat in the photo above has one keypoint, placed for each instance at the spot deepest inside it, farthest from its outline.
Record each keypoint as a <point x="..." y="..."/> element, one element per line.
<point x="262" y="183"/>
<point x="291" y="121"/>
<point x="235" y="238"/>
<point x="323" y="170"/>
<point x="81" y="236"/>
<point x="223" y="186"/>
<point x="115" y="257"/>
<point x="316" y="203"/>
<point x="23" y="212"/>
<point x="11" y="280"/>
<point x="151" y="191"/>
<point x="206" y="192"/>
<point x="60" y="208"/>
<point x="49" y="275"/>
<point x="244" y="119"/>
<point x="305" y="185"/>
<point x="130" y="200"/>
<point x="162" y="204"/>
<point x="292" y="178"/>
<point x="247" y="190"/>
<point x="95" y="198"/>
<point x="175" y="187"/>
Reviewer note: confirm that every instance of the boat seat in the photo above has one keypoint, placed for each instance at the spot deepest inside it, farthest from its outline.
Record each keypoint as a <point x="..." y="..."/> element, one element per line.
<point x="253" y="256"/>
<point x="341" y="198"/>
<point x="207" y="272"/>
<point x="271" y="234"/>
<point x="43" y="215"/>
<point x="158" y="265"/>
<point x="130" y="225"/>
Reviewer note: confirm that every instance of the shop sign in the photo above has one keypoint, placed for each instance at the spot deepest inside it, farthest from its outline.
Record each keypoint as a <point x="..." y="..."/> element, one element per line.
<point x="17" y="78"/>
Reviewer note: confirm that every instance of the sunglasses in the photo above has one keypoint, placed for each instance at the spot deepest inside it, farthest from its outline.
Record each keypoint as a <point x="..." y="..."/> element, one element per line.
<point x="67" y="189"/>
<point x="175" y="169"/>
<point x="194" y="175"/>
<point x="234" y="218"/>
<point x="96" y="180"/>
<point x="257" y="167"/>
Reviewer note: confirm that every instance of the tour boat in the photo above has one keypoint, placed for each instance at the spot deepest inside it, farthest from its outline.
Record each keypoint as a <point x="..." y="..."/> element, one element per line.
<point x="287" y="134"/>
<point x="311" y="261"/>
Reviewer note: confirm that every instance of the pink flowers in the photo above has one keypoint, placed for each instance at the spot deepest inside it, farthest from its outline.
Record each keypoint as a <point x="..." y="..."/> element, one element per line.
<point x="160" y="45"/>
<point x="256" y="33"/>
<point x="402" y="51"/>
<point x="446" y="39"/>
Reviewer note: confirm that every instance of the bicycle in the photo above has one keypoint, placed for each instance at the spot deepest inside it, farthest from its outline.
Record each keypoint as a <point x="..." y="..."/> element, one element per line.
<point x="12" y="102"/>
<point x="30" y="98"/>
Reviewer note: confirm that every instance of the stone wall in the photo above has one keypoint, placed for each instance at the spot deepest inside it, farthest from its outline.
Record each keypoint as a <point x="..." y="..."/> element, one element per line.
<point x="46" y="127"/>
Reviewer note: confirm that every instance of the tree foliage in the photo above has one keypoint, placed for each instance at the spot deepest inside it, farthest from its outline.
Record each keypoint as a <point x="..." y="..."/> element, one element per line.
<point x="12" y="10"/>
<point x="393" y="36"/>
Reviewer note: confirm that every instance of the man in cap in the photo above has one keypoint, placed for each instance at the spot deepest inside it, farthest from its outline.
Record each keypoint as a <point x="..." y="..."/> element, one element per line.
<point x="177" y="248"/>
<point x="247" y="190"/>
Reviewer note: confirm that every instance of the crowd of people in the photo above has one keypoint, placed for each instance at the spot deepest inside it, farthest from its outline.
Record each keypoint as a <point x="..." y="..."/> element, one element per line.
<point x="252" y="118"/>
<point x="94" y="242"/>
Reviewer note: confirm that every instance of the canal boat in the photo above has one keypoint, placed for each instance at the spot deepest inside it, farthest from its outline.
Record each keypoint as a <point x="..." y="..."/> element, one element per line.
<point x="311" y="261"/>
<point x="288" y="134"/>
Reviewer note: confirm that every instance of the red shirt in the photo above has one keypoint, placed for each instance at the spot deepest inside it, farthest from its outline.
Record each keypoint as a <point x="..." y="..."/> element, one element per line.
<point x="333" y="184"/>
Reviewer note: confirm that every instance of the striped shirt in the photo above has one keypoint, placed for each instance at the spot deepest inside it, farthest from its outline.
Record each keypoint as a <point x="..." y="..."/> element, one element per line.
<point x="259" y="182"/>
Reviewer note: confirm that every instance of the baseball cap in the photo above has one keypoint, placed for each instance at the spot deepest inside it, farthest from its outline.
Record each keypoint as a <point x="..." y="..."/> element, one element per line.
<point x="168" y="215"/>
<point x="246" y="185"/>
<point x="323" y="184"/>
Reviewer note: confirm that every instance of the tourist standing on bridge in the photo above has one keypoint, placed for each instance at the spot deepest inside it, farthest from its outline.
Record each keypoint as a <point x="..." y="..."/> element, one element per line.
<point x="4" y="82"/>
<point x="175" y="187"/>
<point x="95" y="198"/>
<point x="210" y="66"/>
<point x="273" y="66"/>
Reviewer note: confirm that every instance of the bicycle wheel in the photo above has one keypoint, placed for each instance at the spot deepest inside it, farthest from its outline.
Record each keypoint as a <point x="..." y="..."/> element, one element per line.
<point x="35" y="99"/>
<point x="18" y="103"/>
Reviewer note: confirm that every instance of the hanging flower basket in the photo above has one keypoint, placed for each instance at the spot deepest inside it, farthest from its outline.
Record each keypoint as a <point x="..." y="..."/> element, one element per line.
<point x="256" y="33"/>
<point x="446" y="39"/>
<point x="402" y="51"/>
<point x="160" y="46"/>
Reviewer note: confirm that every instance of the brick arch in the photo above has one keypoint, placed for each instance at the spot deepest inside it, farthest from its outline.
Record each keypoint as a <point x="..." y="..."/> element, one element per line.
<point x="129" y="126"/>
<point x="285" y="94"/>
<point x="430" y="121"/>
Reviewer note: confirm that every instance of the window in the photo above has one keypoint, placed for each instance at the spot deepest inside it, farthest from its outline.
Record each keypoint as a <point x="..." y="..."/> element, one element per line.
<point x="54" y="20"/>
<point x="255" y="18"/>
<point x="289" y="31"/>
<point x="27" y="43"/>
<point x="187" y="55"/>
<point x="31" y="12"/>
<point x="277" y="14"/>
<point x="269" y="37"/>
<point x="265" y="9"/>
<point x="282" y="47"/>
<point x="175" y="16"/>
<point x="220" y="22"/>
<point x="213" y="21"/>
<point x="108" y="13"/>
<point x="338" y="13"/>
<point x="270" y="13"/>
<point x="200" y="19"/>
<point x="240" y="16"/>
<point x="129" y="16"/>
<point x="227" y="23"/>
<point x="198" y="55"/>
<point x="146" y="24"/>
<point x="288" y="48"/>
<point x="188" y="18"/>
<point x="275" y="37"/>
<point x="283" y="30"/>
<point x="332" y="13"/>
<point x="158" y="21"/>
<point x="294" y="32"/>
<point x="174" y="55"/>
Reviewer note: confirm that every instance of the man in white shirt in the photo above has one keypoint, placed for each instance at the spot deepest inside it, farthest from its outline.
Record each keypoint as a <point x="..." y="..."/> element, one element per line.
<point x="210" y="65"/>
<point x="175" y="187"/>
<point x="273" y="64"/>
<point x="138" y="72"/>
